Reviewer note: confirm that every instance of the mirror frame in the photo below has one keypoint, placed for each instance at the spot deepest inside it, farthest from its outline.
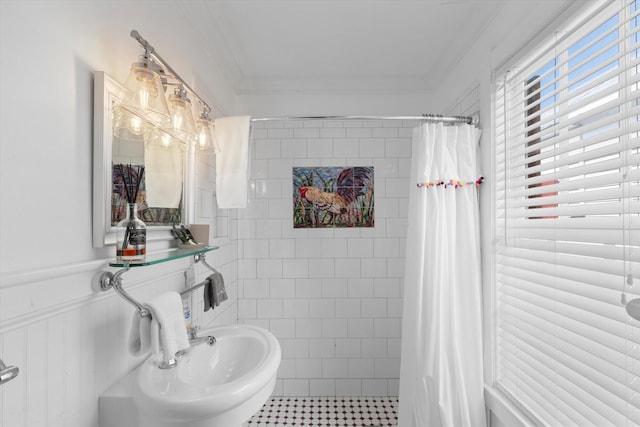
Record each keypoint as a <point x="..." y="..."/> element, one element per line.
<point x="106" y="92"/>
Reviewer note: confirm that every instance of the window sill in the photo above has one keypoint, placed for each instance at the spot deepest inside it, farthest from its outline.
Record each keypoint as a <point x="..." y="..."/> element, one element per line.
<point x="504" y="410"/>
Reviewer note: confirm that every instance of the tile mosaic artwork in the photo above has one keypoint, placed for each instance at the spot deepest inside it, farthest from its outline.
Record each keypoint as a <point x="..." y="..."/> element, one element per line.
<point x="328" y="197"/>
<point x="327" y="412"/>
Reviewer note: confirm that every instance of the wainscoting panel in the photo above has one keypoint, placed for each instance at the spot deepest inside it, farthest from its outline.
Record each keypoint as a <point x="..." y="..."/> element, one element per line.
<point x="69" y="340"/>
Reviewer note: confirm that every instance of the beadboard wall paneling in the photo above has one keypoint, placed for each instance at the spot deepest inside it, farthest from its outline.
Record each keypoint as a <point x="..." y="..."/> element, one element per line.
<point x="69" y="339"/>
<point x="69" y="356"/>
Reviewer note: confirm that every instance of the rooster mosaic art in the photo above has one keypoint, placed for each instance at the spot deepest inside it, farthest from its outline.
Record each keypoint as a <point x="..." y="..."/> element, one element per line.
<point x="333" y="197"/>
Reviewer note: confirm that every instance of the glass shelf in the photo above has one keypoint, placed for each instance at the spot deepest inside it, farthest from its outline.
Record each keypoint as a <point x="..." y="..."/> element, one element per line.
<point x="164" y="256"/>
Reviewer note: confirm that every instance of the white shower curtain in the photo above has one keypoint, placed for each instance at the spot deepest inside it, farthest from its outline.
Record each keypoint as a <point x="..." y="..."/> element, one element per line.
<point x="441" y="380"/>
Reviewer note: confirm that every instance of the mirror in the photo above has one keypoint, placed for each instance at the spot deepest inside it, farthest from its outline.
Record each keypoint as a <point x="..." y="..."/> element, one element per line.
<point x="162" y="198"/>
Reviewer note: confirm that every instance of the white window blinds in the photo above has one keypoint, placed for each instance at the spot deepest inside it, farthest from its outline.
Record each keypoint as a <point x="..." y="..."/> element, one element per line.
<point x="568" y="224"/>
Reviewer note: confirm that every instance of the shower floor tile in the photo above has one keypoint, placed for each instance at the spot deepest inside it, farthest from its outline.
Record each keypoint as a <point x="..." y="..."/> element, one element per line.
<point x="327" y="412"/>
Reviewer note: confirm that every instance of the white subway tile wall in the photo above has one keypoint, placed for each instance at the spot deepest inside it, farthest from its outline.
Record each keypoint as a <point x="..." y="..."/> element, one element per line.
<point x="332" y="297"/>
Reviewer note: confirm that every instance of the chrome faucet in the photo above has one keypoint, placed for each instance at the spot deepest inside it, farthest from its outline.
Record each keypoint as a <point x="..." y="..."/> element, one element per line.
<point x="211" y="340"/>
<point x="192" y="332"/>
<point x="194" y="339"/>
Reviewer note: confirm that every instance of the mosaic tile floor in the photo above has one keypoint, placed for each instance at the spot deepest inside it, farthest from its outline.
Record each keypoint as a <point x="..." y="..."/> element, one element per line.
<point x="327" y="412"/>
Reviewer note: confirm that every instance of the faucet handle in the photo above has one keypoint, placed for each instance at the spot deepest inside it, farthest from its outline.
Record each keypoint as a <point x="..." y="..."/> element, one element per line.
<point x="193" y="331"/>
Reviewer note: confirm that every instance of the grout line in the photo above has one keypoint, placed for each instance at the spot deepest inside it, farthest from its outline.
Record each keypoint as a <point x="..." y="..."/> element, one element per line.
<point x="347" y="411"/>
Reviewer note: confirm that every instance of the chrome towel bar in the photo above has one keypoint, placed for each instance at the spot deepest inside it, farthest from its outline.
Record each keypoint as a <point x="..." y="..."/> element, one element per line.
<point x="197" y="258"/>
<point x="109" y="280"/>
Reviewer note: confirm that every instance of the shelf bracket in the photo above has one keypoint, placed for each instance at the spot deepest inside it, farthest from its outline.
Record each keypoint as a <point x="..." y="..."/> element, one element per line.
<point x="109" y="280"/>
<point x="202" y="257"/>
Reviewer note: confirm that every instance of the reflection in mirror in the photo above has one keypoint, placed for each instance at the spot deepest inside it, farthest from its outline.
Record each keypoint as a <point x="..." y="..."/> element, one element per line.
<point x="160" y="198"/>
<point x="120" y="140"/>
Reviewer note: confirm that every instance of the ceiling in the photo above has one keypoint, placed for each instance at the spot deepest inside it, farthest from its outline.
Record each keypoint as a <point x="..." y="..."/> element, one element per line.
<point x="294" y="45"/>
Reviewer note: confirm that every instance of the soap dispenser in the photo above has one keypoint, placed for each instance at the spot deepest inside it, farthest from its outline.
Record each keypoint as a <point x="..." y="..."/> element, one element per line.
<point x="189" y="281"/>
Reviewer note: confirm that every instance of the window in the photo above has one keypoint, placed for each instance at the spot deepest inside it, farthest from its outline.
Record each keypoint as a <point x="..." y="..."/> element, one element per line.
<point x="567" y="137"/>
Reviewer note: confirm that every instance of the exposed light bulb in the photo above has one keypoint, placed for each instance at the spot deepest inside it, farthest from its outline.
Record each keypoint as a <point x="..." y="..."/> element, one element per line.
<point x="144" y="92"/>
<point x="136" y="125"/>
<point x="147" y="87"/>
<point x="182" y="125"/>
<point x="178" y="115"/>
<point x="203" y="138"/>
<point x="165" y="140"/>
<point x="204" y="133"/>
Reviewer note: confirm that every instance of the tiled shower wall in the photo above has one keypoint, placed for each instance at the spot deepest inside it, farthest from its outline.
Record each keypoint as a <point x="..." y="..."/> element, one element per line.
<point x="333" y="297"/>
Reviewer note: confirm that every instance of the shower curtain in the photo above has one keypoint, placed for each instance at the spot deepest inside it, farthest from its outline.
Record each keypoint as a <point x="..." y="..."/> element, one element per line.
<point x="441" y="380"/>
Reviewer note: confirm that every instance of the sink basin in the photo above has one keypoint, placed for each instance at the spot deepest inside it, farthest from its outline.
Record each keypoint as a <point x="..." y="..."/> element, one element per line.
<point x="221" y="385"/>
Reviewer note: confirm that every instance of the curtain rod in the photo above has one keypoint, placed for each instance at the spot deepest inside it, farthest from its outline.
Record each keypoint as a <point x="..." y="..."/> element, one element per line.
<point x="424" y="117"/>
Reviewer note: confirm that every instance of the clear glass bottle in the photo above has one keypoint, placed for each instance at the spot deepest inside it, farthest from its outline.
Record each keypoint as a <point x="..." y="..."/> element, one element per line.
<point x="131" y="237"/>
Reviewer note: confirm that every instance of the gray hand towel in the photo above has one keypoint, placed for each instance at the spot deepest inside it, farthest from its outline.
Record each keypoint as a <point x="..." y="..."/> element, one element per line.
<point x="219" y="292"/>
<point x="214" y="291"/>
<point x="208" y="294"/>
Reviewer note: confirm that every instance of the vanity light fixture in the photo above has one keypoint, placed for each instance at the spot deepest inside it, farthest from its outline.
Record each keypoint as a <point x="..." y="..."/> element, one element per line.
<point x="206" y="134"/>
<point x="127" y="125"/>
<point x="144" y="109"/>
<point x="144" y="97"/>
<point x="160" y="137"/>
<point x="182" y="125"/>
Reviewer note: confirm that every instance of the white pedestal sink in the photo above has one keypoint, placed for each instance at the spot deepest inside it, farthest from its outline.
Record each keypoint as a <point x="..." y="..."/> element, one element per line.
<point x="219" y="386"/>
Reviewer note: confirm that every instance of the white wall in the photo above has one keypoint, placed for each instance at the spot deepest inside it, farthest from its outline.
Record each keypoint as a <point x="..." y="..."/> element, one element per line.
<point x="67" y="338"/>
<point x="331" y="296"/>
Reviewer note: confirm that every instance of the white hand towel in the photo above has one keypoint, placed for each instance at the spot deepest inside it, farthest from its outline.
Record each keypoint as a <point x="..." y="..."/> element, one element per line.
<point x="232" y="162"/>
<point x="140" y="335"/>
<point x="163" y="175"/>
<point x="168" y="322"/>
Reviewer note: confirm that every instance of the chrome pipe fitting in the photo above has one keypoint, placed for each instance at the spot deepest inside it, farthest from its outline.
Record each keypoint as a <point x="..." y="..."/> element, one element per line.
<point x="7" y="373"/>
<point x="168" y="364"/>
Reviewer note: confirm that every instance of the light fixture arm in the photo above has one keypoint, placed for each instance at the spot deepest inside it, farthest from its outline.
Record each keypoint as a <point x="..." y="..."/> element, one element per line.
<point x="150" y="50"/>
<point x="204" y="112"/>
